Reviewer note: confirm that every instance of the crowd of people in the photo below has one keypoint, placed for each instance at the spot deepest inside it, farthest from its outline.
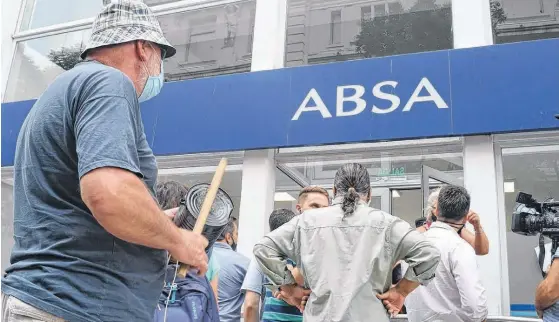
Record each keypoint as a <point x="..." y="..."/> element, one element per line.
<point x="336" y="260"/>
<point x="95" y="241"/>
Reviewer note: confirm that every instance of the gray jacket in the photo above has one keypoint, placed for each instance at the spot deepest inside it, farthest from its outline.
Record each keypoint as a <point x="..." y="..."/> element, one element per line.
<point x="347" y="261"/>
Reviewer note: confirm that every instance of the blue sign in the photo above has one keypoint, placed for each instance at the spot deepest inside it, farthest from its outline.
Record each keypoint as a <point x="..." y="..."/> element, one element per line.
<point x="493" y="89"/>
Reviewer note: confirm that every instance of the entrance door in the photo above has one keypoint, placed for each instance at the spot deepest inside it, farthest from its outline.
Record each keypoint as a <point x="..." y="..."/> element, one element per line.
<point x="380" y="199"/>
<point x="432" y="178"/>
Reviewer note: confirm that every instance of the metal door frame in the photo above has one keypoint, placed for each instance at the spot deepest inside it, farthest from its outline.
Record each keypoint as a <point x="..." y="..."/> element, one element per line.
<point x="385" y="198"/>
<point x="428" y="173"/>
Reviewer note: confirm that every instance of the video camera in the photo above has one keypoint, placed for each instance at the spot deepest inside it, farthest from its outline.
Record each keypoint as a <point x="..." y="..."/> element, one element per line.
<point x="531" y="217"/>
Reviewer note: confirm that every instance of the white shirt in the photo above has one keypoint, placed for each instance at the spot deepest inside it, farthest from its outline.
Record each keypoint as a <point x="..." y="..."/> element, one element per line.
<point x="456" y="293"/>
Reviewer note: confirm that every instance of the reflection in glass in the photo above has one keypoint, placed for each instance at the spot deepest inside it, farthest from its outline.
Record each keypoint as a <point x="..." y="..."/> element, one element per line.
<point x="536" y="173"/>
<point x="42" y="13"/>
<point x="396" y="171"/>
<point x="37" y="62"/>
<point x="524" y="20"/>
<point x="327" y="31"/>
<point x="406" y="204"/>
<point x="209" y="42"/>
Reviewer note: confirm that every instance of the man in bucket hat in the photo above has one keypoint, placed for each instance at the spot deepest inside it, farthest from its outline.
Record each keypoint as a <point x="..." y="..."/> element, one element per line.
<point x="90" y="240"/>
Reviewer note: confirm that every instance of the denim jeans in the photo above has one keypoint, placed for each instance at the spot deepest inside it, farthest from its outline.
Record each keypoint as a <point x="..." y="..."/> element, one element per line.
<point x="14" y="310"/>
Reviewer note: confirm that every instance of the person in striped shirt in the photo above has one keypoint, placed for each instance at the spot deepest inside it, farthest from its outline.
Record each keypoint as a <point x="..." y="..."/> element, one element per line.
<point x="274" y="309"/>
<point x="254" y="286"/>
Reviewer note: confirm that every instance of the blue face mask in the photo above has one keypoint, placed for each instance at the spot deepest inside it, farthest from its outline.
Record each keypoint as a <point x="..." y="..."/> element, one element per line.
<point x="153" y="86"/>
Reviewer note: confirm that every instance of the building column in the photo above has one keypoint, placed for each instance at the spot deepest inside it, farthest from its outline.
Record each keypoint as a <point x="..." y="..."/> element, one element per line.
<point x="483" y="177"/>
<point x="258" y="179"/>
<point x="471" y="24"/>
<point x="257" y="198"/>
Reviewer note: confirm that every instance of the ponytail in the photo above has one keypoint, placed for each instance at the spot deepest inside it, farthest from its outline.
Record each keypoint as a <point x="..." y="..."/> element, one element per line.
<point x="351" y="183"/>
<point x="349" y="204"/>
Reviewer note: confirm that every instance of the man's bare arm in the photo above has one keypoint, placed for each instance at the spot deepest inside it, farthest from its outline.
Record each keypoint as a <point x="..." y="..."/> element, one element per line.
<point x="121" y="203"/>
<point x="547" y="292"/>
<point x="251" y="307"/>
<point x="479" y="240"/>
<point x="214" y="284"/>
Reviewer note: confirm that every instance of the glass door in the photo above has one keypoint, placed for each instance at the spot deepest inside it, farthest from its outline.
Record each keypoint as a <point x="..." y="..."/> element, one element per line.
<point x="432" y="179"/>
<point x="395" y="169"/>
<point x="380" y="199"/>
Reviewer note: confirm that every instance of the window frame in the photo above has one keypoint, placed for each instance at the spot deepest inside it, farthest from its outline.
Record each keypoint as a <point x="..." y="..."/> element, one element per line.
<point x="369" y="12"/>
<point x="334" y="24"/>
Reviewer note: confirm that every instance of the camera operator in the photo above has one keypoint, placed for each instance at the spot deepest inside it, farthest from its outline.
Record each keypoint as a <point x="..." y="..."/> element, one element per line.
<point x="532" y="217"/>
<point x="547" y="293"/>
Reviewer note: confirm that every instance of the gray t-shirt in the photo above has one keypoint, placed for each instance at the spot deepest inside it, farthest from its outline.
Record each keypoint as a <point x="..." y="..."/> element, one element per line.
<point x="63" y="261"/>
<point x="232" y="270"/>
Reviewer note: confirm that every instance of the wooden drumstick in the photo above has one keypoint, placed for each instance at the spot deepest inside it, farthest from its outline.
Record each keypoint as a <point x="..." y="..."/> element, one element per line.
<point x="206" y="207"/>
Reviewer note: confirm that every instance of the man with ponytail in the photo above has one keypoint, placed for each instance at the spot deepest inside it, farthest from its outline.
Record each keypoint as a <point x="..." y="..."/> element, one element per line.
<point x="346" y="253"/>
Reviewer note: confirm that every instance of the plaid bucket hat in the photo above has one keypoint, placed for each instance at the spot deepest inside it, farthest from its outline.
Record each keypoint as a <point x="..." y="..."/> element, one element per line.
<point x="122" y="21"/>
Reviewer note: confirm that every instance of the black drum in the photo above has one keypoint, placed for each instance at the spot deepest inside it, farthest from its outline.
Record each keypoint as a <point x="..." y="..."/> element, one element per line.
<point x="218" y="218"/>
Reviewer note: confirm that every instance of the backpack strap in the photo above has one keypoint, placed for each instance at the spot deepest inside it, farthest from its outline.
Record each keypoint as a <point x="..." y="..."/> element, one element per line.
<point x="172" y="293"/>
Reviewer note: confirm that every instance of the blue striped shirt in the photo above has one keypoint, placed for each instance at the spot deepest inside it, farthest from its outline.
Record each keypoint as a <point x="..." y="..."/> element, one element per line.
<point x="278" y="310"/>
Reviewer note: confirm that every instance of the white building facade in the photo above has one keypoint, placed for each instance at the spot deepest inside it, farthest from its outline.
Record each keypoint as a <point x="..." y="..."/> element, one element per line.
<point x="42" y="38"/>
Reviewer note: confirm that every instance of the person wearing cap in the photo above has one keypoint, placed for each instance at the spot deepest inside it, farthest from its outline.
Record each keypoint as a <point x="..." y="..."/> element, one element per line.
<point x="91" y="242"/>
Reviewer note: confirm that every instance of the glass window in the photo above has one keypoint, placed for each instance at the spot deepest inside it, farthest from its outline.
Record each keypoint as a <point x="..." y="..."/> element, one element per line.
<point x="533" y="170"/>
<point x="209" y="42"/>
<point x="335" y="27"/>
<point x="287" y="192"/>
<point x="7" y="222"/>
<point x="395" y="8"/>
<point x="380" y="10"/>
<point x="38" y="61"/>
<point x="524" y="20"/>
<point x="42" y="13"/>
<point x="366" y="13"/>
<point x="191" y="169"/>
<point x="188" y="169"/>
<point x="397" y="27"/>
<point x="231" y="182"/>
<point x="395" y="172"/>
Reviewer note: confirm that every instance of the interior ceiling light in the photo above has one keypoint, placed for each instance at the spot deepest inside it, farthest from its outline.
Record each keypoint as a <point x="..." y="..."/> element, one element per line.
<point x="509" y="186"/>
<point x="283" y="196"/>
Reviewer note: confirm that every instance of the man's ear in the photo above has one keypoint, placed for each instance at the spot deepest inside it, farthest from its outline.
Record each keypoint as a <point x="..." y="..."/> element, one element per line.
<point x="142" y="50"/>
<point x="298" y="207"/>
<point x="228" y="238"/>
